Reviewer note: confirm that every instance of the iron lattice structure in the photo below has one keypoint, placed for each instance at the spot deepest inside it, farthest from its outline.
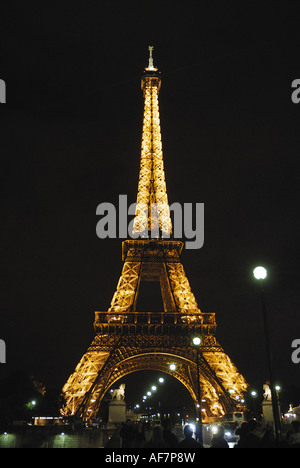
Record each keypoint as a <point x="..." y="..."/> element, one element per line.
<point x="127" y="340"/>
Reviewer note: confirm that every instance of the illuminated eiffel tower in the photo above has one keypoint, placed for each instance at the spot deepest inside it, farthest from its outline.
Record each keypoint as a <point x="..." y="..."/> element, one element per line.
<point x="127" y="340"/>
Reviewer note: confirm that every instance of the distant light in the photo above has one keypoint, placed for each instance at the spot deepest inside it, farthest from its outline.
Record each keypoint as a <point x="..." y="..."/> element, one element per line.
<point x="149" y="393"/>
<point x="277" y="387"/>
<point x="161" y="380"/>
<point x="214" y="429"/>
<point x="33" y="403"/>
<point x="253" y="393"/>
<point x="62" y="433"/>
<point x="172" y="367"/>
<point x="231" y="390"/>
<point x="193" y="426"/>
<point x="153" y="388"/>
<point x="260" y="272"/>
<point x="196" y="341"/>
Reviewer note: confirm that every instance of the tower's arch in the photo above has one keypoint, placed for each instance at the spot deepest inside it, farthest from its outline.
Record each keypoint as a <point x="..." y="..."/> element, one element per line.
<point x="182" y="365"/>
<point x="170" y="395"/>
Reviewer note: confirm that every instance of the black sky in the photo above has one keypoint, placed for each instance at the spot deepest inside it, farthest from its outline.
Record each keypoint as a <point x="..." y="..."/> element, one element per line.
<point x="71" y="132"/>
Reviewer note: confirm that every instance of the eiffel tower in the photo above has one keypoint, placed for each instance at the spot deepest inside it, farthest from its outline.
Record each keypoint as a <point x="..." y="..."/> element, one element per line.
<point x="127" y="340"/>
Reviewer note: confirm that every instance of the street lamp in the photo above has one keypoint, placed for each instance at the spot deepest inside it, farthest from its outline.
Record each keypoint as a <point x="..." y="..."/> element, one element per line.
<point x="260" y="273"/>
<point x="253" y="404"/>
<point x="172" y="367"/>
<point x="197" y="342"/>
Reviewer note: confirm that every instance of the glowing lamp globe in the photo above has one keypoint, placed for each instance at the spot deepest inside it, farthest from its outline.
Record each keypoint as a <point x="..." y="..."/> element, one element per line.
<point x="260" y="272"/>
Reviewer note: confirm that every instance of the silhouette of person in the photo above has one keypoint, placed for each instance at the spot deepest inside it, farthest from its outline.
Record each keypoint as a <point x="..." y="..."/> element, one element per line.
<point x="248" y="437"/>
<point x="156" y="440"/>
<point x="294" y="438"/>
<point x="218" y="440"/>
<point x="188" y="441"/>
<point x="168" y="435"/>
<point x="140" y="438"/>
<point x="127" y="433"/>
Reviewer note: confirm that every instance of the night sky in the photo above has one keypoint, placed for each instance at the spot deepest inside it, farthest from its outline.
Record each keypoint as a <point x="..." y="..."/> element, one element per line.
<point x="70" y="138"/>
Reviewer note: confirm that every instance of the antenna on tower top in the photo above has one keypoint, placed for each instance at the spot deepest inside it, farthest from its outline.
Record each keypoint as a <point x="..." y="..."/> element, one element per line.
<point x="151" y="66"/>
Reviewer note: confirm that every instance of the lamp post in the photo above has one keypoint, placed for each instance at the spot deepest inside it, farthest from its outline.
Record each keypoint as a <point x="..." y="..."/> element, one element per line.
<point x="196" y="342"/>
<point x="253" y="403"/>
<point x="260" y="273"/>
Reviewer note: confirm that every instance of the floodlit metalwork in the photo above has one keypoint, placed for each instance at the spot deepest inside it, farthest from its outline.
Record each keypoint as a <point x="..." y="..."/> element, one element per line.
<point x="127" y="340"/>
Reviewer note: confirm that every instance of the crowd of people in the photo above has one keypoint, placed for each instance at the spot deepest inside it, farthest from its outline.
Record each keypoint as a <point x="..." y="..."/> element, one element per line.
<point x="251" y="437"/>
<point x="141" y="435"/>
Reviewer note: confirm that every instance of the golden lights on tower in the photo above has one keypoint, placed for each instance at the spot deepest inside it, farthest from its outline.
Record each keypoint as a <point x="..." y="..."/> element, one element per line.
<point x="127" y="340"/>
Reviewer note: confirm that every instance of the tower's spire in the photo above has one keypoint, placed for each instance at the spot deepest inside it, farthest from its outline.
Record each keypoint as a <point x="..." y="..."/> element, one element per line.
<point x="151" y="66"/>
